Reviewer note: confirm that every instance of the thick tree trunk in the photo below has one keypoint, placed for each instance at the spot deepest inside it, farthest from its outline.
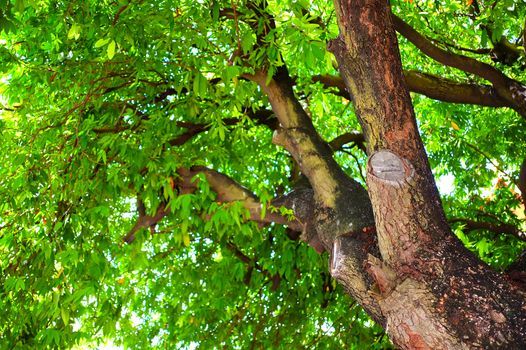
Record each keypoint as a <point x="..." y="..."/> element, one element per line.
<point x="432" y="293"/>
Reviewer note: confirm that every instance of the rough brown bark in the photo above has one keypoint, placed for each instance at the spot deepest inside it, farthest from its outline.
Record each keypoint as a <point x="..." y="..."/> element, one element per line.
<point x="432" y="292"/>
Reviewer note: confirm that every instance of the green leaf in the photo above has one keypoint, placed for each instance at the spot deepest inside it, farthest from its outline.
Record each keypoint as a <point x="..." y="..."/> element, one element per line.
<point x="101" y="42"/>
<point x="74" y="32"/>
<point x="111" y="49"/>
<point x="20" y="5"/>
<point x="247" y="41"/>
<point x="200" y="86"/>
<point x="263" y="211"/>
<point x="186" y="238"/>
<point x="64" y="314"/>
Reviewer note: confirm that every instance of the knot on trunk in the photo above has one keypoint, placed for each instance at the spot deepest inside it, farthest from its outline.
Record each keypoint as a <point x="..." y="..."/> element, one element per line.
<point x="390" y="168"/>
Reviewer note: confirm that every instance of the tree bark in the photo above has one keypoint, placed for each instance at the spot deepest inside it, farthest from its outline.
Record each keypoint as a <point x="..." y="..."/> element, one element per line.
<point x="432" y="292"/>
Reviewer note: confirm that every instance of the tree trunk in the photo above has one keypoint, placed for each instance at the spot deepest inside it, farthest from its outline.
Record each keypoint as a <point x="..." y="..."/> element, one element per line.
<point x="430" y="291"/>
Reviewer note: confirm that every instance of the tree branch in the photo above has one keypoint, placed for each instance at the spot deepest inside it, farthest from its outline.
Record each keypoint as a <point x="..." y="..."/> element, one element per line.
<point x="145" y="221"/>
<point x="351" y="137"/>
<point x="451" y="91"/>
<point x="464" y="63"/>
<point x="507" y="88"/>
<point x="261" y="117"/>
<point x="503" y="51"/>
<point x="341" y="218"/>
<point x="434" y="87"/>
<point x="227" y="190"/>
<point x="471" y="225"/>
<point x="298" y="135"/>
<point x="118" y="14"/>
<point x="253" y="263"/>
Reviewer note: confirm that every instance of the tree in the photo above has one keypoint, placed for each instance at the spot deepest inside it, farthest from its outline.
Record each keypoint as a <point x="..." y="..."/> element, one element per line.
<point x="165" y="163"/>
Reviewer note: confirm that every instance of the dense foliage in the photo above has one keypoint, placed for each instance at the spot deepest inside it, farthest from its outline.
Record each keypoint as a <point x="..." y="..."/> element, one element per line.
<point x="105" y="101"/>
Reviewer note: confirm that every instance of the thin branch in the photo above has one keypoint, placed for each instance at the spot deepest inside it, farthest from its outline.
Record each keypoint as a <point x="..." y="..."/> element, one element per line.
<point x="479" y="51"/>
<point x="329" y="81"/>
<point x="250" y="262"/>
<point x="239" y="254"/>
<point x="145" y="221"/>
<point x="118" y="14"/>
<point x="352" y="137"/>
<point x="488" y="158"/>
<point x="456" y="47"/>
<point x="471" y="225"/>
<point x="357" y="163"/>
<point x="262" y="116"/>
<point x="503" y="50"/>
<point x="236" y="25"/>
<point x="253" y="263"/>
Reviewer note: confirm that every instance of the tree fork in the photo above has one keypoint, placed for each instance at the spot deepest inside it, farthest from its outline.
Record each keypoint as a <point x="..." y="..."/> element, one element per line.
<point x="342" y="204"/>
<point x="342" y="217"/>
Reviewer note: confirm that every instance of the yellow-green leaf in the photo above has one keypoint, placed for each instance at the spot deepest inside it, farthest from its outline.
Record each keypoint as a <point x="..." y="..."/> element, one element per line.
<point x="101" y="42"/>
<point x="111" y="49"/>
<point x="74" y="32"/>
<point x="455" y="126"/>
<point x="186" y="239"/>
<point x="65" y="315"/>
